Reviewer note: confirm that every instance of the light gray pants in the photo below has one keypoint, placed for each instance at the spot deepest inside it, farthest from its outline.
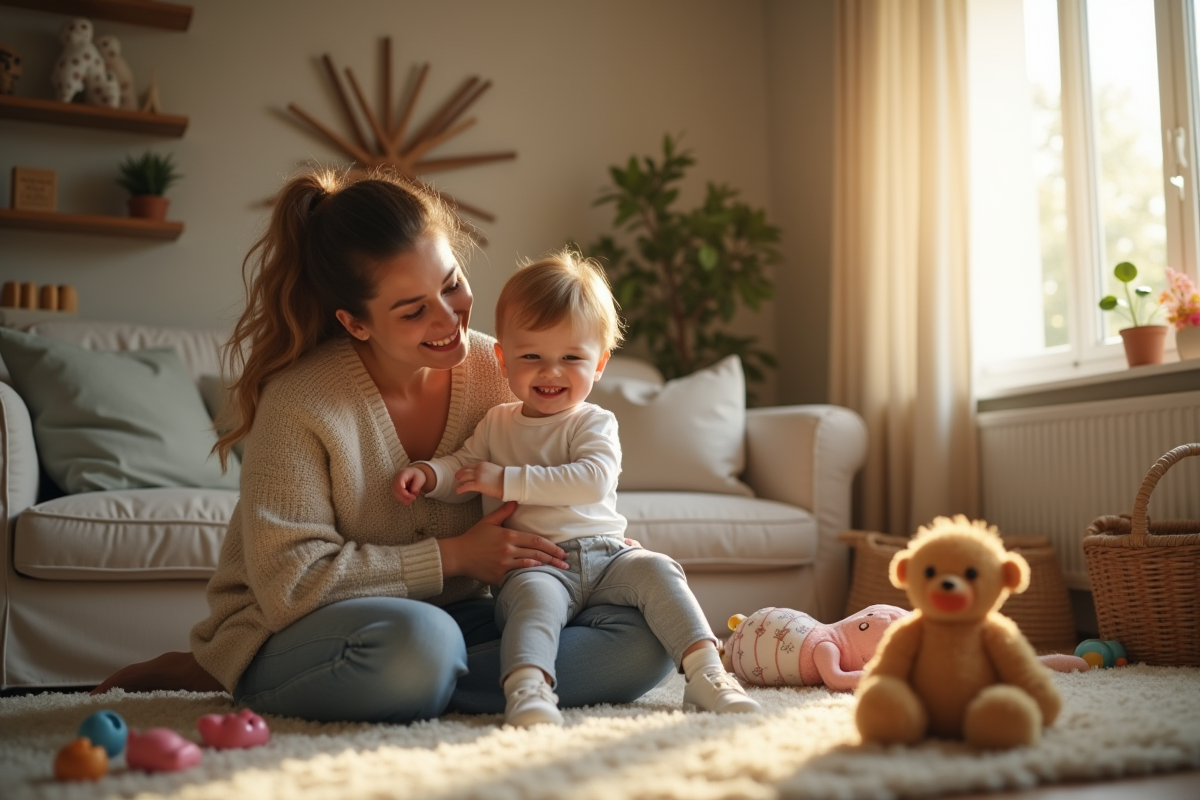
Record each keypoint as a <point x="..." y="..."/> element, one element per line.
<point x="535" y="603"/>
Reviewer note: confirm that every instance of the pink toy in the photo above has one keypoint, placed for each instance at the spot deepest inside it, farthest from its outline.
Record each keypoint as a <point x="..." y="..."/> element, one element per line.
<point x="782" y="647"/>
<point x="160" y="750"/>
<point x="228" y="731"/>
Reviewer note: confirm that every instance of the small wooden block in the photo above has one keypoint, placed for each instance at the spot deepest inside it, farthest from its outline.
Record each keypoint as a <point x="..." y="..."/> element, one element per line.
<point x="34" y="189"/>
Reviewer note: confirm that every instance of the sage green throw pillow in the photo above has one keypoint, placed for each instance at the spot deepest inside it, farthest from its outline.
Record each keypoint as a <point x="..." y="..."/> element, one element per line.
<point x="114" y="420"/>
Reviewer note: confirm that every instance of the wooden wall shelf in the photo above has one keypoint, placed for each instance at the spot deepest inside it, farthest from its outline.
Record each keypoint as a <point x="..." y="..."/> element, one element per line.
<point x="83" y="115"/>
<point x="151" y="13"/>
<point x="90" y="223"/>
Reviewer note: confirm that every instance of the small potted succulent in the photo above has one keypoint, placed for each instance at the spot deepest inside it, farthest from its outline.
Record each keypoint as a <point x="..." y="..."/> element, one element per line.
<point x="1144" y="342"/>
<point x="1182" y="302"/>
<point x="146" y="178"/>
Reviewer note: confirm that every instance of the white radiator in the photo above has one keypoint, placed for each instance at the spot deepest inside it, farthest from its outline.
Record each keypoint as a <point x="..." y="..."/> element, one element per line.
<point x="1052" y="470"/>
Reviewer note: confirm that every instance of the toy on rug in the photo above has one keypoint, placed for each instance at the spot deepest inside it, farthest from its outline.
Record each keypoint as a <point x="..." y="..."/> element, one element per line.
<point x="1106" y="653"/>
<point x="82" y="68"/>
<point x="80" y="760"/>
<point x="106" y="729"/>
<point x="783" y="647"/>
<point x="956" y="667"/>
<point x="160" y="750"/>
<point x="228" y="731"/>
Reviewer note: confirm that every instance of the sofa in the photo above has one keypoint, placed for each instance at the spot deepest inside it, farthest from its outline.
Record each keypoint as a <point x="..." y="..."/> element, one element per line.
<point x="95" y="580"/>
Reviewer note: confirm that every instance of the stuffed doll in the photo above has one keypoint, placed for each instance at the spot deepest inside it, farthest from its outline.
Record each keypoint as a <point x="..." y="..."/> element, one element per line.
<point x="782" y="647"/>
<point x="81" y="68"/>
<point x="110" y="51"/>
<point x="955" y="667"/>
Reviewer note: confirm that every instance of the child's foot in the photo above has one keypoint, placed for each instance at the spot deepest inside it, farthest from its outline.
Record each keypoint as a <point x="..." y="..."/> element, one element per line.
<point x="532" y="703"/>
<point x="714" y="689"/>
<point x="530" y="699"/>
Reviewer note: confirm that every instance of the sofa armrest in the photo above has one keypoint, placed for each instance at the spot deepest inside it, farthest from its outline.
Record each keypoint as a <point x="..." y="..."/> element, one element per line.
<point x="18" y="466"/>
<point x="807" y="456"/>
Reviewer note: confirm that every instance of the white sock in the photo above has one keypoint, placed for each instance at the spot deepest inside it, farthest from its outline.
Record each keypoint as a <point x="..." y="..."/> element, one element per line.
<point x="701" y="659"/>
<point x="522" y="675"/>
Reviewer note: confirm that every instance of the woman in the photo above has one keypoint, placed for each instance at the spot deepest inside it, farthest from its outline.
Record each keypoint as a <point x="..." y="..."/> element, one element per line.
<point x="331" y="600"/>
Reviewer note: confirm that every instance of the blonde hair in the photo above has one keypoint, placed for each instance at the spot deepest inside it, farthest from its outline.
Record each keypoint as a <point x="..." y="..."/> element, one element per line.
<point x="328" y="232"/>
<point x="562" y="285"/>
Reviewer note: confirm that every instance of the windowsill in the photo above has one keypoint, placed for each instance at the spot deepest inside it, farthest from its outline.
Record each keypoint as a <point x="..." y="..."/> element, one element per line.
<point x="1152" y="379"/>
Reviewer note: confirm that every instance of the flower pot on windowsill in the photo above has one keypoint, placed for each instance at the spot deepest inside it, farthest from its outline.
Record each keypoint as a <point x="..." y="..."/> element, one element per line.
<point x="148" y="206"/>
<point x="1187" y="342"/>
<point x="1144" y="344"/>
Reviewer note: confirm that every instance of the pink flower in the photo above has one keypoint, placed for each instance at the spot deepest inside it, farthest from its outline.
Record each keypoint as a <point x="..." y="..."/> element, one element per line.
<point x="1181" y="299"/>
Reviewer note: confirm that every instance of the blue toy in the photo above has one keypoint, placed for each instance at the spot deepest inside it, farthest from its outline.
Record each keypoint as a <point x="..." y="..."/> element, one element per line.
<point x="106" y="729"/>
<point x="1097" y="653"/>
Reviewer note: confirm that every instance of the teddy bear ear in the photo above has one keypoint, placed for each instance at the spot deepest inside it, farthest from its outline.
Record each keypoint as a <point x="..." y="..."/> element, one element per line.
<point x="898" y="569"/>
<point x="1016" y="573"/>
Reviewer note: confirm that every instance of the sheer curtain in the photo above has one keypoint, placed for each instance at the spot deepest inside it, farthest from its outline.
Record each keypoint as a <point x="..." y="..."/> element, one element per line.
<point x="900" y="347"/>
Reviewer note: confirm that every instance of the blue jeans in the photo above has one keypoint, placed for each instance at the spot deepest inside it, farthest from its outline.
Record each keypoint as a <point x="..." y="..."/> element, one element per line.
<point x="535" y="603"/>
<point x="388" y="659"/>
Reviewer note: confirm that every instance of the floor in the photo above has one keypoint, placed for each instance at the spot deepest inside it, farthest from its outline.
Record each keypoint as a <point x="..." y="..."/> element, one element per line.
<point x="1173" y="786"/>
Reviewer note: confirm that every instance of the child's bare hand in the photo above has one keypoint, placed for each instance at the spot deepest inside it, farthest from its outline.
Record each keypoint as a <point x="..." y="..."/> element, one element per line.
<point x="407" y="485"/>
<point x="483" y="477"/>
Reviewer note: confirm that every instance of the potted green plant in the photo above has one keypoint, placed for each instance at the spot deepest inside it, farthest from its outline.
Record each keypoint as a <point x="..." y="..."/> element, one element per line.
<point x="147" y="178"/>
<point x="685" y="273"/>
<point x="1143" y="341"/>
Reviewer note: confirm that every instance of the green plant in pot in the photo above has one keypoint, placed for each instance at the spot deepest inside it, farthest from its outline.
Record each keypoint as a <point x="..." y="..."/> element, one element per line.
<point x="1144" y="342"/>
<point x="147" y="178"/>
<point x="684" y="275"/>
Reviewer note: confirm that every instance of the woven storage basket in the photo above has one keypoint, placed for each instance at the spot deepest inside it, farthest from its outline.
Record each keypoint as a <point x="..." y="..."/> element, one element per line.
<point x="1043" y="611"/>
<point x="1146" y="577"/>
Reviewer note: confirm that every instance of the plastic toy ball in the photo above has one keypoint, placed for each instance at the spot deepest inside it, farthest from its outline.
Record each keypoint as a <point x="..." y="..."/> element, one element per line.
<point x="161" y="750"/>
<point x="1098" y="653"/>
<point x="107" y="729"/>
<point x="227" y="731"/>
<point x="80" y="760"/>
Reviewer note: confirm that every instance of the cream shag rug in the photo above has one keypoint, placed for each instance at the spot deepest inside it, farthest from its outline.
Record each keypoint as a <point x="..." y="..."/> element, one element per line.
<point x="1120" y="722"/>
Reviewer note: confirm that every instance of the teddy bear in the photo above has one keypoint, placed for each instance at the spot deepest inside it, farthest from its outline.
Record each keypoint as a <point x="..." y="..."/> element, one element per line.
<point x="783" y="647"/>
<point x="82" y="68"/>
<point x="110" y="50"/>
<point x="956" y="668"/>
<point x="10" y="69"/>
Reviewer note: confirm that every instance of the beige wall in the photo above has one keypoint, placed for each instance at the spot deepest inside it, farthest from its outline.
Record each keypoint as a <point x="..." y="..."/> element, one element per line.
<point x="577" y="87"/>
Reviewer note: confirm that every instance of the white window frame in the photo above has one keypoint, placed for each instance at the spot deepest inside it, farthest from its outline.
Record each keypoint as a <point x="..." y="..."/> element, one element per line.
<point x="1088" y="353"/>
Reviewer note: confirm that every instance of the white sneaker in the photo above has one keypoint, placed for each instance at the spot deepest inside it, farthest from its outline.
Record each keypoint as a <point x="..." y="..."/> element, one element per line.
<point x="714" y="689"/>
<point x="532" y="703"/>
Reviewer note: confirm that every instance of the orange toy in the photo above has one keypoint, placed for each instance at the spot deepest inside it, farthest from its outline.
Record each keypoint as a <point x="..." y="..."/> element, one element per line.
<point x="80" y="760"/>
<point x="956" y="668"/>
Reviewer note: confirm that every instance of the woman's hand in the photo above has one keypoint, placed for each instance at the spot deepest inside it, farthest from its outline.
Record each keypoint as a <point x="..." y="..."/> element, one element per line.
<point x="168" y="671"/>
<point x="487" y="552"/>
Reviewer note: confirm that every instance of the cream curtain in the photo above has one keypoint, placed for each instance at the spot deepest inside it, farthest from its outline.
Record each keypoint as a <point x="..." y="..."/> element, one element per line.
<point x="900" y="346"/>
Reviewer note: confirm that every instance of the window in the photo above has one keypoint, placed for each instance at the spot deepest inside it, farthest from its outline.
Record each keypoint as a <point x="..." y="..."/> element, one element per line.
<point x="1082" y="115"/>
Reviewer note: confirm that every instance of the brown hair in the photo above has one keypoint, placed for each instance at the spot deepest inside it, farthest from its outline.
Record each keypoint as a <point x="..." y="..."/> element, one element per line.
<point x="327" y="233"/>
<point x="542" y="293"/>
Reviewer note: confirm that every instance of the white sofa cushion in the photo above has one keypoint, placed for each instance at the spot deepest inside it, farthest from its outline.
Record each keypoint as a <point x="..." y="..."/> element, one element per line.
<point x="127" y="535"/>
<point x="688" y="434"/>
<point x="712" y="532"/>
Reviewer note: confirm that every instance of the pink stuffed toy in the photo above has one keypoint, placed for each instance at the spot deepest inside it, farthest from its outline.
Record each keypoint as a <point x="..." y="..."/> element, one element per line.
<point x="160" y="750"/>
<point x="227" y="731"/>
<point x="783" y="647"/>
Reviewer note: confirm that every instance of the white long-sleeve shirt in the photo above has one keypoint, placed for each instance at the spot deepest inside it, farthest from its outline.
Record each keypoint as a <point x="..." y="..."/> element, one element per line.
<point x="562" y="470"/>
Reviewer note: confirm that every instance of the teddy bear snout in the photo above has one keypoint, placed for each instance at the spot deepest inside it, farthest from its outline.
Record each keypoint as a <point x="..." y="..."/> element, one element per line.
<point x="951" y="593"/>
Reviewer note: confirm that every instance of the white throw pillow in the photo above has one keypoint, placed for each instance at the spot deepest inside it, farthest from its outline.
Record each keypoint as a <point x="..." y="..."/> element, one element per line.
<point x="685" y="435"/>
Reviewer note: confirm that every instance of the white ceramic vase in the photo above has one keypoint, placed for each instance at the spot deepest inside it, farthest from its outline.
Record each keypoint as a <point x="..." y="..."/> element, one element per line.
<point x="1187" y="342"/>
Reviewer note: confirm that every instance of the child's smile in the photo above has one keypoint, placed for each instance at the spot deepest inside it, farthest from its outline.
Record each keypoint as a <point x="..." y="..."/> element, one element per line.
<point x="551" y="370"/>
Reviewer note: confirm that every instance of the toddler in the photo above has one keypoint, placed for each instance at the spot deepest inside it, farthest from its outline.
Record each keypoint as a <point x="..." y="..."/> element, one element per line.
<point x="559" y="457"/>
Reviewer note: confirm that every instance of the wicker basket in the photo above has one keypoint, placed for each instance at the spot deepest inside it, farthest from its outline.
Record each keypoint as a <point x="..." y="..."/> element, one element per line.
<point x="1043" y="611"/>
<point x="1146" y="577"/>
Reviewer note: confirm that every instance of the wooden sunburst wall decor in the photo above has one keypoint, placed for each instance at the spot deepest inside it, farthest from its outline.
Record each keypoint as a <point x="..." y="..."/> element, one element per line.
<point x="390" y="142"/>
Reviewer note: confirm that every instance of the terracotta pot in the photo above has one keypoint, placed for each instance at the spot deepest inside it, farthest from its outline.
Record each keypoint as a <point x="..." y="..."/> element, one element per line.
<point x="1187" y="342"/>
<point x="148" y="206"/>
<point x="1144" y="344"/>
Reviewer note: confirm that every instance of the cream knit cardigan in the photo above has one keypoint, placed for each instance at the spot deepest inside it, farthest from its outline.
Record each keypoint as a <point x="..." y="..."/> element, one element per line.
<point x="316" y="521"/>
